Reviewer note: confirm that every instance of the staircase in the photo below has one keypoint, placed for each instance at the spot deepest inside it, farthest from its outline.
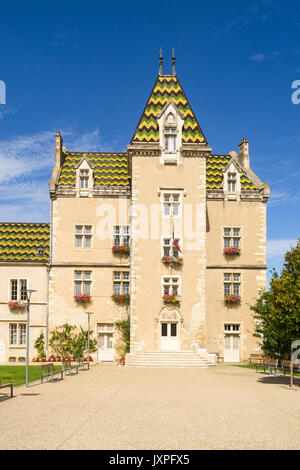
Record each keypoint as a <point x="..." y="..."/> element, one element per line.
<point x="168" y="359"/>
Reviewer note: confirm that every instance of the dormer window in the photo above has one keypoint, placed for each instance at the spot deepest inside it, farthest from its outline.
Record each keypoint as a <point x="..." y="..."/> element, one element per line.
<point x="84" y="179"/>
<point x="231" y="182"/>
<point x="170" y="139"/>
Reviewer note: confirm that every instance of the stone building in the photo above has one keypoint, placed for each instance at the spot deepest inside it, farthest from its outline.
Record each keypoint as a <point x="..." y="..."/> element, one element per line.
<point x="196" y="226"/>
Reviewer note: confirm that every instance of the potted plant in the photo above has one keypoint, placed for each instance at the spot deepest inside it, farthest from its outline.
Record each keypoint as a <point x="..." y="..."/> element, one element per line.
<point x="83" y="299"/>
<point x="232" y="300"/>
<point x="121" y="249"/>
<point x="175" y="260"/>
<point x="171" y="298"/>
<point x="121" y="299"/>
<point x="231" y="251"/>
<point x="18" y="305"/>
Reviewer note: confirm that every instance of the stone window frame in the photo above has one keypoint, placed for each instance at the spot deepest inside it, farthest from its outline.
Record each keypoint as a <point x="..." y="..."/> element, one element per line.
<point x="121" y="281"/>
<point x="19" y="335"/>
<point x="163" y="283"/>
<point x="84" y="236"/>
<point x="232" y="236"/>
<point x="171" y="192"/>
<point x="232" y="283"/>
<point x="83" y="281"/>
<point x="122" y="235"/>
<point x="177" y="238"/>
<point x="19" y="281"/>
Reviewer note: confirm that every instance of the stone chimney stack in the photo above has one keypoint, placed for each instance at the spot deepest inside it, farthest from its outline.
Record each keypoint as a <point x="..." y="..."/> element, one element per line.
<point x="58" y="150"/>
<point x="244" y="153"/>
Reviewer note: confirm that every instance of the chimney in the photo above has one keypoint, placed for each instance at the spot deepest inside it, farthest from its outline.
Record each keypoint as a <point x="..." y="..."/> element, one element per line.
<point x="58" y="150"/>
<point x="244" y="153"/>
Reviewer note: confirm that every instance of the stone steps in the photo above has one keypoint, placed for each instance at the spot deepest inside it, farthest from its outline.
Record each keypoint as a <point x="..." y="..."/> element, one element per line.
<point x="168" y="359"/>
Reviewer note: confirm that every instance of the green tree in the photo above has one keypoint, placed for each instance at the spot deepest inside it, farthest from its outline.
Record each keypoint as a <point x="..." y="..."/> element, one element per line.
<point x="277" y="311"/>
<point x="124" y="326"/>
<point x="80" y="343"/>
<point x="39" y="345"/>
<point x="61" y="340"/>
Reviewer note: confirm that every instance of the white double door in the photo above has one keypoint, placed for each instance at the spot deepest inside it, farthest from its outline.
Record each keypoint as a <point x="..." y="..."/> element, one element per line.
<point x="232" y="348"/>
<point x="169" y="336"/>
<point x="105" y="347"/>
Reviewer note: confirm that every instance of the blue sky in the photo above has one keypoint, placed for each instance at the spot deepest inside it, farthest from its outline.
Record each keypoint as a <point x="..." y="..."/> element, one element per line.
<point x="87" y="68"/>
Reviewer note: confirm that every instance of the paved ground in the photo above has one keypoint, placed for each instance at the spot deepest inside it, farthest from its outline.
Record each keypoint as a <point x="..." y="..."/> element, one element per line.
<point x="112" y="407"/>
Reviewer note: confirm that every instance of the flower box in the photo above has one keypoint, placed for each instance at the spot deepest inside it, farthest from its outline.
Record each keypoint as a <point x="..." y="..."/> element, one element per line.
<point x="121" y="249"/>
<point x="17" y="305"/>
<point x="121" y="299"/>
<point x="171" y="299"/>
<point x="231" y="300"/>
<point x="175" y="260"/>
<point x="83" y="299"/>
<point x="231" y="251"/>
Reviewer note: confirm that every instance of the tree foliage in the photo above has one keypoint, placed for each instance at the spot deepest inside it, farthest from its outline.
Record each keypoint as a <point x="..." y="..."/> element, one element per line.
<point x="65" y="342"/>
<point x="39" y="345"/>
<point x="124" y="326"/>
<point x="277" y="311"/>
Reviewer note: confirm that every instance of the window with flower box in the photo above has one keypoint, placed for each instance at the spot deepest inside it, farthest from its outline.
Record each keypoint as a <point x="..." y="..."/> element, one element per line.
<point x="83" y="236"/>
<point x="18" y="289"/>
<point x="168" y="248"/>
<point x="171" y="285"/>
<point x="121" y="235"/>
<point x="83" y="282"/>
<point x="232" y="284"/>
<point x="17" y="334"/>
<point x="121" y="283"/>
<point x="232" y="241"/>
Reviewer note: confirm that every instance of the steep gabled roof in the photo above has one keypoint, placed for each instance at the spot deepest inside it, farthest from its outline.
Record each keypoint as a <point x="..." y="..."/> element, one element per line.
<point x="167" y="87"/>
<point x="215" y="166"/>
<point x="22" y="242"/>
<point x="110" y="169"/>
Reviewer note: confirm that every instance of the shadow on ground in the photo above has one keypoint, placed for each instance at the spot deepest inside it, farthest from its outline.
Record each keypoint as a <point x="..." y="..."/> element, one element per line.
<point x="278" y="380"/>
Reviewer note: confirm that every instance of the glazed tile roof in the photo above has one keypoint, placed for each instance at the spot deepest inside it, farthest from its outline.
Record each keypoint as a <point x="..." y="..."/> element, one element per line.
<point x="110" y="169"/>
<point x="215" y="166"/>
<point x="21" y="242"/>
<point x="167" y="88"/>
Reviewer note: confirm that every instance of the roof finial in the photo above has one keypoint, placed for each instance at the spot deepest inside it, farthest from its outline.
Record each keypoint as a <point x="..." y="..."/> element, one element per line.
<point x="160" y="62"/>
<point x="173" y="61"/>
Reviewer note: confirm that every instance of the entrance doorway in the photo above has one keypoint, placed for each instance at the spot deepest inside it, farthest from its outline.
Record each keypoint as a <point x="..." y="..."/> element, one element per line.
<point x="105" y="342"/>
<point x="169" y="336"/>
<point x="232" y="343"/>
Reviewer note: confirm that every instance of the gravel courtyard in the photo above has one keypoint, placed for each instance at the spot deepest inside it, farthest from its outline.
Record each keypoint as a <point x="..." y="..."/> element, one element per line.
<point x="113" y="407"/>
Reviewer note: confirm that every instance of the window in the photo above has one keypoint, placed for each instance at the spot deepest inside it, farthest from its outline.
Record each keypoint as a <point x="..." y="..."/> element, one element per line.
<point x="83" y="281"/>
<point x="232" y="283"/>
<point x="18" y="289"/>
<point x="171" y="204"/>
<point x="168" y="248"/>
<point x="171" y="285"/>
<point x="234" y="327"/>
<point x="232" y="237"/>
<point x="170" y="139"/>
<point x="121" y="282"/>
<point x="231" y="182"/>
<point x="121" y="235"/>
<point x="83" y="236"/>
<point x="17" y="334"/>
<point x="84" y="179"/>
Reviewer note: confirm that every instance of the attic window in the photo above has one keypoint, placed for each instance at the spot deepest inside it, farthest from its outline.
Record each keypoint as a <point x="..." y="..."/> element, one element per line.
<point x="41" y="251"/>
<point x="231" y="182"/>
<point x="84" y="179"/>
<point x="170" y="139"/>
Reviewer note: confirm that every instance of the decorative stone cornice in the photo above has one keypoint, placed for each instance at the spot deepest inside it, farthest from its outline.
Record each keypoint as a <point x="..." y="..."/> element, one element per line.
<point x="236" y="266"/>
<point x="216" y="194"/>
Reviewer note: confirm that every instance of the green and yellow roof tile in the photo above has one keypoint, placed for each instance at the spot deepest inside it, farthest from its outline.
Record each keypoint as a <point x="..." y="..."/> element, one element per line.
<point x="215" y="166"/>
<point x="24" y="242"/>
<point x="167" y="88"/>
<point x="110" y="169"/>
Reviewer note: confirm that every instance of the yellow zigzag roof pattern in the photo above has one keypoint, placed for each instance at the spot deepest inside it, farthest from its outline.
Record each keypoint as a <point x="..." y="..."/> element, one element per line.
<point x="22" y="242"/>
<point x="214" y="173"/>
<point x="167" y="88"/>
<point x="110" y="169"/>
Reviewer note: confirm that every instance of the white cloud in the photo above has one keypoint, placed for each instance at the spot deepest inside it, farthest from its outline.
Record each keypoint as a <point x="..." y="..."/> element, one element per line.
<point x="276" y="248"/>
<point x="26" y="163"/>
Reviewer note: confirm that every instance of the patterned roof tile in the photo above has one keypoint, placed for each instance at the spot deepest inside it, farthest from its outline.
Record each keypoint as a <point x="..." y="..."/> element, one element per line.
<point x="22" y="242"/>
<point x="167" y="88"/>
<point x="110" y="169"/>
<point x="215" y="166"/>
